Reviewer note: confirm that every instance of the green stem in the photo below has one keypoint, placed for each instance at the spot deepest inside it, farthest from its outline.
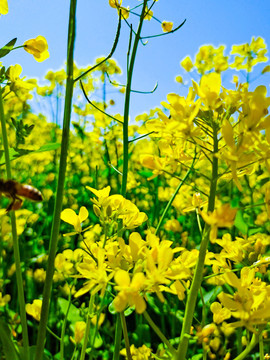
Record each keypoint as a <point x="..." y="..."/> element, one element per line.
<point x="251" y="345"/>
<point x="63" y="330"/>
<point x="60" y="185"/>
<point x="16" y="248"/>
<point x="125" y="332"/>
<point x="173" y="197"/>
<point x="198" y="275"/>
<point x="127" y="100"/>
<point x="88" y="326"/>
<point x="159" y="332"/>
<point x="117" y="338"/>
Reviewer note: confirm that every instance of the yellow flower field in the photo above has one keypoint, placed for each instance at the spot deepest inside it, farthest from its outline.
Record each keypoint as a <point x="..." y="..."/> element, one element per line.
<point x="135" y="240"/>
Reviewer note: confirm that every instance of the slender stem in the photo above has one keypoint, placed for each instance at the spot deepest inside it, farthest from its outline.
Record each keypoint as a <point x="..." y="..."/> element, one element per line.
<point x="88" y="325"/>
<point x="261" y="350"/>
<point x="251" y="345"/>
<point x="159" y="332"/>
<point x="117" y="338"/>
<point x="63" y="330"/>
<point x="127" y="100"/>
<point x="198" y="275"/>
<point x="60" y="186"/>
<point x="16" y="248"/>
<point x="125" y="332"/>
<point x="173" y="196"/>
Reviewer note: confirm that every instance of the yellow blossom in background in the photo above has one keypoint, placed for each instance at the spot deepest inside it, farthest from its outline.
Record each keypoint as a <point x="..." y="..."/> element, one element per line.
<point x="248" y="55"/>
<point x="38" y="47"/>
<point x="148" y="14"/>
<point x="179" y="79"/>
<point x="267" y="199"/>
<point x="115" y="3"/>
<point x="186" y="63"/>
<point x="140" y="353"/>
<point x="4" y="299"/>
<point x="167" y="26"/>
<point x="3" y="7"/>
<point x="210" y="58"/>
<point x="222" y="217"/>
<point x="173" y="225"/>
<point x="78" y="332"/>
<point x="34" y="309"/>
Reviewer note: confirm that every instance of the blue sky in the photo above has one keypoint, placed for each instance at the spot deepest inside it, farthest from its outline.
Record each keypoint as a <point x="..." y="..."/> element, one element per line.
<point x="213" y="22"/>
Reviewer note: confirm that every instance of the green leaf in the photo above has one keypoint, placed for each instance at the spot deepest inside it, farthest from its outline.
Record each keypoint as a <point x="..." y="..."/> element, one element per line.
<point x="32" y="353"/>
<point x="98" y="340"/>
<point x="17" y="153"/>
<point x="197" y="357"/>
<point x="7" y="48"/>
<point x="240" y="223"/>
<point x="73" y="314"/>
<point x="48" y="147"/>
<point x="9" y="348"/>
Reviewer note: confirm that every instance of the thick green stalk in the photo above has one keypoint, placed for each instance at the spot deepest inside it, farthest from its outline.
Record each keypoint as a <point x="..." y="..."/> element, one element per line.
<point x="127" y="100"/>
<point x="60" y="185"/>
<point x="198" y="275"/>
<point x="16" y="248"/>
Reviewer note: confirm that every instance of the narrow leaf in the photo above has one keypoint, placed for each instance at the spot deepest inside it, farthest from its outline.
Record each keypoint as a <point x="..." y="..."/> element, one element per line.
<point x="7" y="48"/>
<point x="8" y="345"/>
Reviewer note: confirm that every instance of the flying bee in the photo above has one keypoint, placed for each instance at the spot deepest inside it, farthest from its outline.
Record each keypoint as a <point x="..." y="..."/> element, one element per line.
<point x="14" y="190"/>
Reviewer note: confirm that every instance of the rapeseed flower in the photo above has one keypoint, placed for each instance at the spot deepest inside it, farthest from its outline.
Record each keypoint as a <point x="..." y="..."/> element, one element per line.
<point x="4" y="299"/>
<point x="79" y="331"/>
<point x="222" y="217"/>
<point x="167" y="26"/>
<point x="38" y="47"/>
<point x="3" y="7"/>
<point x="248" y="55"/>
<point x="209" y="90"/>
<point x="70" y="217"/>
<point x="34" y="309"/>
<point x="250" y="303"/>
<point x="129" y="291"/>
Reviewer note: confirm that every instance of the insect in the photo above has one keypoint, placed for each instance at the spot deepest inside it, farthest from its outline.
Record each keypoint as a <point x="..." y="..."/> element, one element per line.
<point x="14" y="190"/>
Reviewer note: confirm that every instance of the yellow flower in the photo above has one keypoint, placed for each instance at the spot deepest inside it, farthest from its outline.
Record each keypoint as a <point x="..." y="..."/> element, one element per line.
<point x="141" y="353"/>
<point x="248" y="55"/>
<point x="250" y="302"/>
<point x="173" y="225"/>
<point x="222" y="217"/>
<point x="115" y="3"/>
<point x="186" y="63"/>
<point x="38" y="47"/>
<point x="129" y="291"/>
<point x="219" y="313"/>
<point x="167" y="26"/>
<point x="4" y="299"/>
<point x="78" y="332"/>
<point x="148" y="14"/>
<point x="209" y="90"/>
<point x="69" y="216"/>
<point x="3" y="7"/>
<point x="34" y="309"/>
